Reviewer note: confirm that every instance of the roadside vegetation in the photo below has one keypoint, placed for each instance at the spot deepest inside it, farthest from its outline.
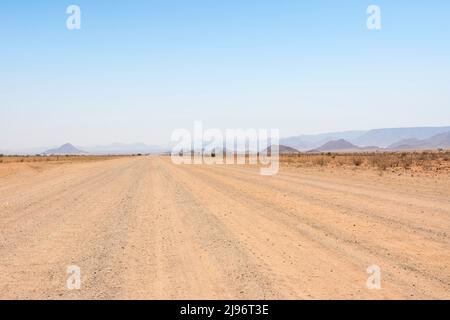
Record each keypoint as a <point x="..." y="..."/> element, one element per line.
<point x="382" y="161"/>
<point x="40" y="158"/>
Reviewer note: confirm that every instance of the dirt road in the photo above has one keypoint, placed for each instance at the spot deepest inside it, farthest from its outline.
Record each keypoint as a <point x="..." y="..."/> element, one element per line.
<point x="145" y="228"/>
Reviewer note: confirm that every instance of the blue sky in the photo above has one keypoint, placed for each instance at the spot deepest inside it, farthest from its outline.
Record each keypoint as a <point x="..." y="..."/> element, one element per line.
<point x="137" y="70"/>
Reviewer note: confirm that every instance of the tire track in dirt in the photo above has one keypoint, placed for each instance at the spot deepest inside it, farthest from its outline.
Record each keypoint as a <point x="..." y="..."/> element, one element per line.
<point x="413" y="205"/>
<point x="322" y="231"/>
<point x="43" y="245"/>
<point x="238" y="274"/>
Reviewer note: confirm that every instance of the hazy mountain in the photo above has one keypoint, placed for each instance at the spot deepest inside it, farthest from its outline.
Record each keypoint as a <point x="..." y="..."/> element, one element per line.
<point x="298" y="143"/>
<point x="376" y="137"/>
<point x="336" y="145"/>
<point x="405" y="142"/>
<point x="385" y="137"/>
<point x="123" y="148"/>
<point x="65" y="149"/>
<point x="282" y="149"/>
<point x="441" y="140"/>
<point x="308" y="142"/>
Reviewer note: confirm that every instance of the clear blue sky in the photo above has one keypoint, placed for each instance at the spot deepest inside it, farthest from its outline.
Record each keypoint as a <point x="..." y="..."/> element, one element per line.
<point x="137" y="70"/>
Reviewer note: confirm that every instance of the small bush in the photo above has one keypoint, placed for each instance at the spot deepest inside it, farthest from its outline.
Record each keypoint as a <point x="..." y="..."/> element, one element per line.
<point x="426" y="165"/>
<point x="382" y="161"/>
<point x="424" y="156"/>
<point x="406" y="160"/>
<point x="321" y="161"/>
<point x="357" y="161"/>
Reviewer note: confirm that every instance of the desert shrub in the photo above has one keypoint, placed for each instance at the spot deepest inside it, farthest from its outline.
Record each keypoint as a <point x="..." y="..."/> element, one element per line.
<point x="383" y="161"/>
<point x="406" y="160"/>
<point x="357" y="161"/>
<point x="426" y="165"/>
<point x="425" y="160"/>
<point x="321" y="161"/>
<point x="424" y="156"/>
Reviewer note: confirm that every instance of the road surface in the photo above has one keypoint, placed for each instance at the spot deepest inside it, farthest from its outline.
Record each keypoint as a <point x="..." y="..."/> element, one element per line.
<point x="142" y="227"/>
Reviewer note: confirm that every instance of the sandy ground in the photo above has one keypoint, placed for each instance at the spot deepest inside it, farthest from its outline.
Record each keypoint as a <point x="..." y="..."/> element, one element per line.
<point x="146" y="228"/>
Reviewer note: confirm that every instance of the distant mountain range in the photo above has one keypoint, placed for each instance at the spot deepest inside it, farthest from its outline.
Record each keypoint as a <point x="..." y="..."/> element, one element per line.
<point x="415" y="138"/>
<point x="341" y="145"/>
<point x="438" y="141"/>
<point x="308" y="142"/>
<point x="411" y="138"/>
<point x="386" y="137"/>
<point x="111" y="149"/>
